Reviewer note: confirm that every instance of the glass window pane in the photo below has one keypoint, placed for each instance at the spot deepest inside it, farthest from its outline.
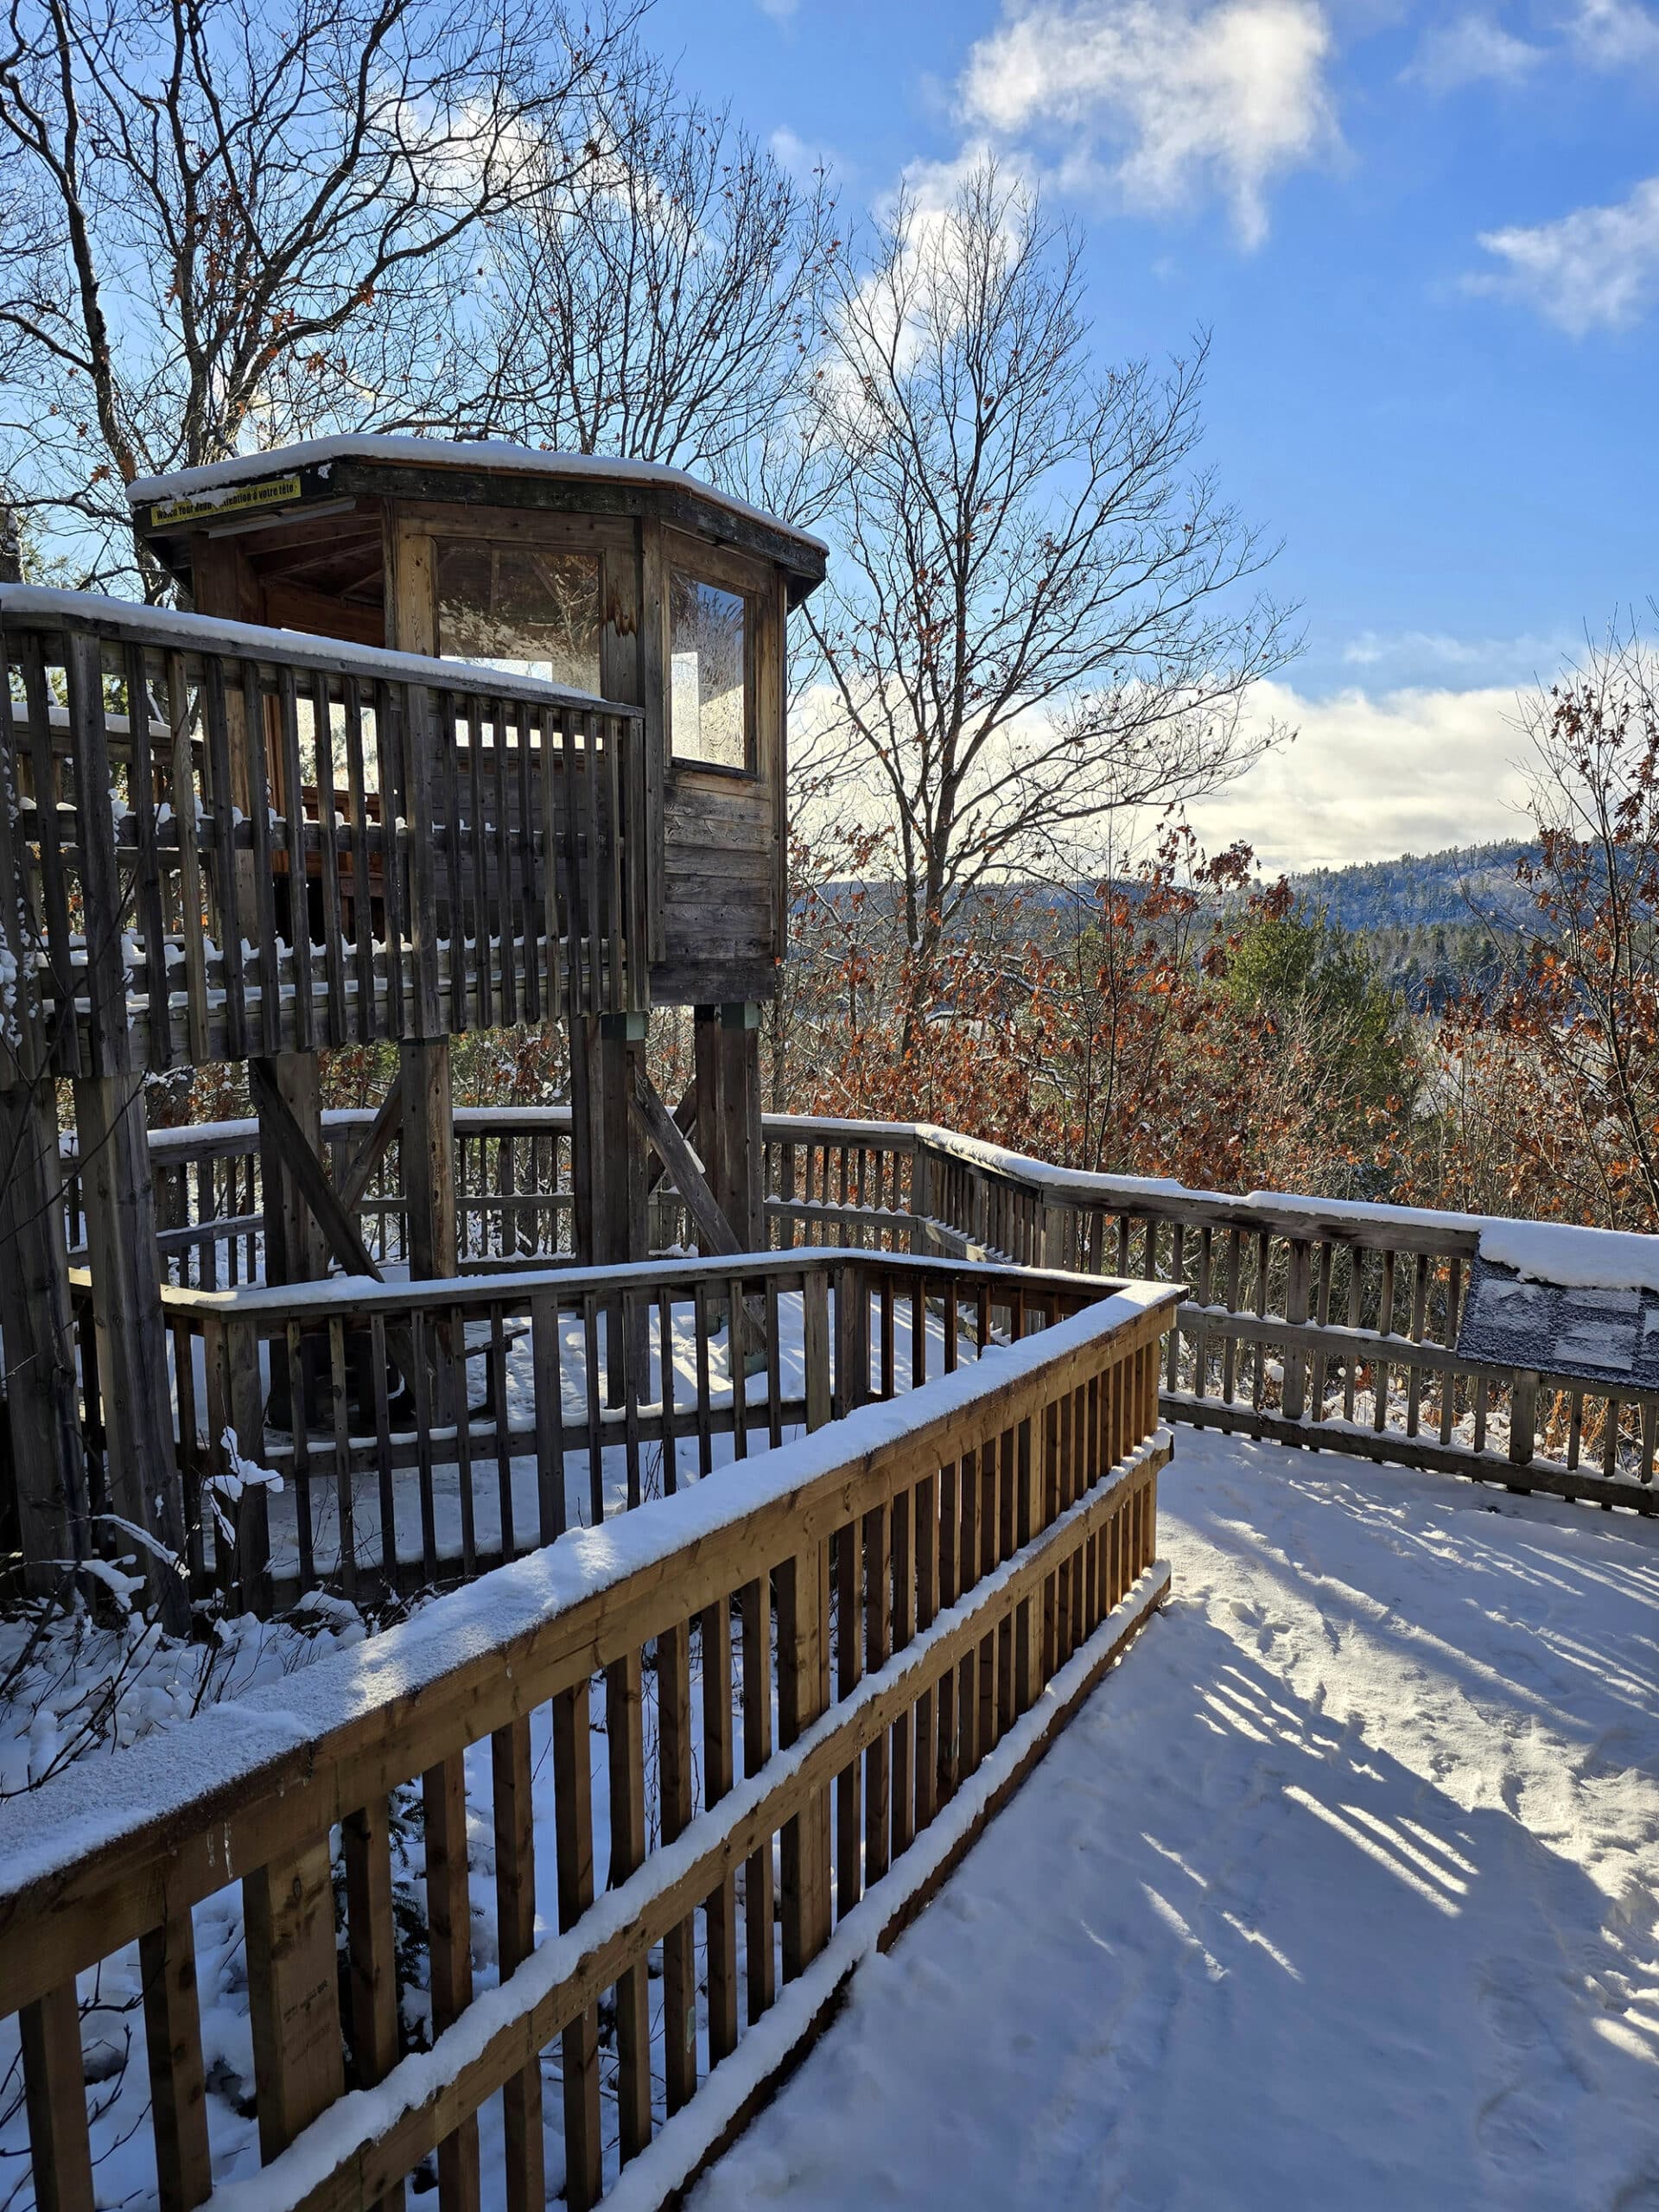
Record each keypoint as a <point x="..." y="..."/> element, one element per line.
<point x="518" y="608"/>
<point x="707" y="718"/>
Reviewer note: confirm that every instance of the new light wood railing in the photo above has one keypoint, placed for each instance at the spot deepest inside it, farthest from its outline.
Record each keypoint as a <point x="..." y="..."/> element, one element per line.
<point x="221" y="840"/>
<point x="819" y="1672"/>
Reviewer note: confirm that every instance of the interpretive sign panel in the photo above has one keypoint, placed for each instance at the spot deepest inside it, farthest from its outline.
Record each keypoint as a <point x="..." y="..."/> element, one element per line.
<point x="1604" y="1335"/>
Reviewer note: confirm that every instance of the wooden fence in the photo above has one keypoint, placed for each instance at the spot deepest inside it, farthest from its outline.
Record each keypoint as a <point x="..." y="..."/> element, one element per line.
<point x="881" y="1622"/>
<point x="424" y="1431"/>
<point x="206" y="853"/>
<point x="1313" y="1322"/>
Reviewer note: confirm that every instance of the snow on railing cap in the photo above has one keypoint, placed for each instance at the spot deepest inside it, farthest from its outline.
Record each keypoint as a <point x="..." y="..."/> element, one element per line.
<point x="168" y="626"/>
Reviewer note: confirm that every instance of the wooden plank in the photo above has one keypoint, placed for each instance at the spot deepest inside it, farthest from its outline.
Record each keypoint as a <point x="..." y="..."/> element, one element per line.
<point x="450" y="1944"/>
<point x="293" y="1992"/>
<point x="310" y="1174"/>
<point x="328" y="844"/>
<point x="550" y="1444"/>
<point x="754" y="1601"/>
<point x="657" y="1125"/>
<point x="584" y="2148"/>
<point x="515" y="1922"/>
<point x="118" y="1196"/>
<point x="172" y="2042"/>
<point x="878" y="1645"/>
<point x="357" y="799"/>
<point x="59" y="2146"/>
<point x="625" y="1750"/>
<point x="719" y="1908"/>
<point x="674" y="1804"/>
<point x="372" y="1952"/>
<point x="387" y="1123"/>
<point x="294" y="841"/>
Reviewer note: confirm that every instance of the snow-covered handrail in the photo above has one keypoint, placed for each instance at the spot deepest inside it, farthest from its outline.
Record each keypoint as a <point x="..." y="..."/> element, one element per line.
<point x="1308" y="1318"/>
<point x="297" y="842"/>
<point x="945" y="1575"/>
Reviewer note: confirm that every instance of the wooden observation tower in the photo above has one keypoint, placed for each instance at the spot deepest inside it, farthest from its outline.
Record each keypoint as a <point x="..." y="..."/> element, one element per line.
<point x="456" y="736"/>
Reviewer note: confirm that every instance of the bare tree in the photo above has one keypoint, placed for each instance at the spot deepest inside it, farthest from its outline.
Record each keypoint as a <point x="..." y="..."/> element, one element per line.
<point x="1583" y="998"/>
<point x="665" y="308"/>
<point x="228" y="224"/>
<point x="1043" y="610"/>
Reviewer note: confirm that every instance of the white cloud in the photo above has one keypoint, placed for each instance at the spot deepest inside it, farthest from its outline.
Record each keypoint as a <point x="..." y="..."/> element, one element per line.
<point x="779" y="10"/>
<point x="1615" y="34"/>
<point x="1471" y="50"/>
<point x="797" y="159"/>
<point x="1165" y="100"/>
<point x="1374" y="775"/>
<point x="1597" y="267"/>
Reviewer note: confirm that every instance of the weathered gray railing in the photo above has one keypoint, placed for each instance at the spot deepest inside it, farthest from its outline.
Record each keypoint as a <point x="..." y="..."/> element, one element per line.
<point x="513" y="1198"/>
<point x="222" y="841"/>
<point x="1312" y="1321"/>
<point x="424" y="1431"/>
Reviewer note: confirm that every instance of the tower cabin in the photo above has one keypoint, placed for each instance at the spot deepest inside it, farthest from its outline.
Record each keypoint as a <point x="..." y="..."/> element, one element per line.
<point x="454" y="736"/>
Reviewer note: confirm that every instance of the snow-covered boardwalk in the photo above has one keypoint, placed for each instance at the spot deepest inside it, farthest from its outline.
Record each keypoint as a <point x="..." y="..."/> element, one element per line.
<point x="1341" y="1891"/>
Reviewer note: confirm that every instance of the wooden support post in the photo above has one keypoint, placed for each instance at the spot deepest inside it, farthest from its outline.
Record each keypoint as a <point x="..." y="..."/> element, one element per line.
<point x="178" y="2091"/>
<point x="573" y="1820"/>
<point x="587" y="1152"/>
<point x="372" y="1953"/>
<point x="449" y="1931"/>
<point x="295" y="1249"/>
<point x="1298" y="1288"/>
<point x="515" y="1915"/>
<point x="726" y="1048"/>
<point x="621" y="1073"/>
<point x="60" y="2147"/>
<point x="292" y="1992"/>
<point x="802" y="1639"/>
<point x="620" y="1238"/>
<point x="429" y="1158"/>
<point x="47" y="1458"/>
<point x="429" y="1153"/>
<point x="120" y="1202"/>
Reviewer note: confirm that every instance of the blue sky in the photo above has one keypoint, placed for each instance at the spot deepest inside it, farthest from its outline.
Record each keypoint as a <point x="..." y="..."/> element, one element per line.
<point x="1426" y="240"/>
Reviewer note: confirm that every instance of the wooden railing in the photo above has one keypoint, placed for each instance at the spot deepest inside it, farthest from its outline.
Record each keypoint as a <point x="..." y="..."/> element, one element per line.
<point x="447" y="1426"/>
<point x="1316" y="1322"/>
<point x="1313" y="1321"/>
<point x="833" y="1183"/>
<point x="221" y="840"/>
<point x="887" y="1617"/>
<point x="513" y="1198"/>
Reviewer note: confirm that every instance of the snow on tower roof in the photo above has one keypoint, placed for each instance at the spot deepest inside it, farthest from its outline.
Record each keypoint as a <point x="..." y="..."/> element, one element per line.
<point x="320" y="453"/>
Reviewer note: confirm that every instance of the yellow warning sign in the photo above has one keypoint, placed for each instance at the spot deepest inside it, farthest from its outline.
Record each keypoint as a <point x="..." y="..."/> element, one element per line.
<point x="231" y="501"/>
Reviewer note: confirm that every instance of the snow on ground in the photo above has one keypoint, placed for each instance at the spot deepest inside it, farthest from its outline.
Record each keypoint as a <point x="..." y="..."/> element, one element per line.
<point x="1339" y="1891"/>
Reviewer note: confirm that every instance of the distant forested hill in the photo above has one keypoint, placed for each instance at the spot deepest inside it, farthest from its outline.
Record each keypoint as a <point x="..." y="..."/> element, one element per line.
<point x="1434" y="921"/>
<point x="1419" y="889"/>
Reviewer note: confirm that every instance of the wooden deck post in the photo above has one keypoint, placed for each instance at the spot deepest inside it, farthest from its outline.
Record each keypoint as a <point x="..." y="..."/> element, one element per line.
<point x="429" y="1155"/>
<point x="294" y="1248"/>
<point x="621" y="1235"/>
<point x="727" y="1045"/>
<point x="48" y="1463"/>
<point x="118" y="1199"/>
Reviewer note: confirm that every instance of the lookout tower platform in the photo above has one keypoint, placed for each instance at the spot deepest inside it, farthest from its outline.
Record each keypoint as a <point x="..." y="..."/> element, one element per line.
<point x="454" y="737"/>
